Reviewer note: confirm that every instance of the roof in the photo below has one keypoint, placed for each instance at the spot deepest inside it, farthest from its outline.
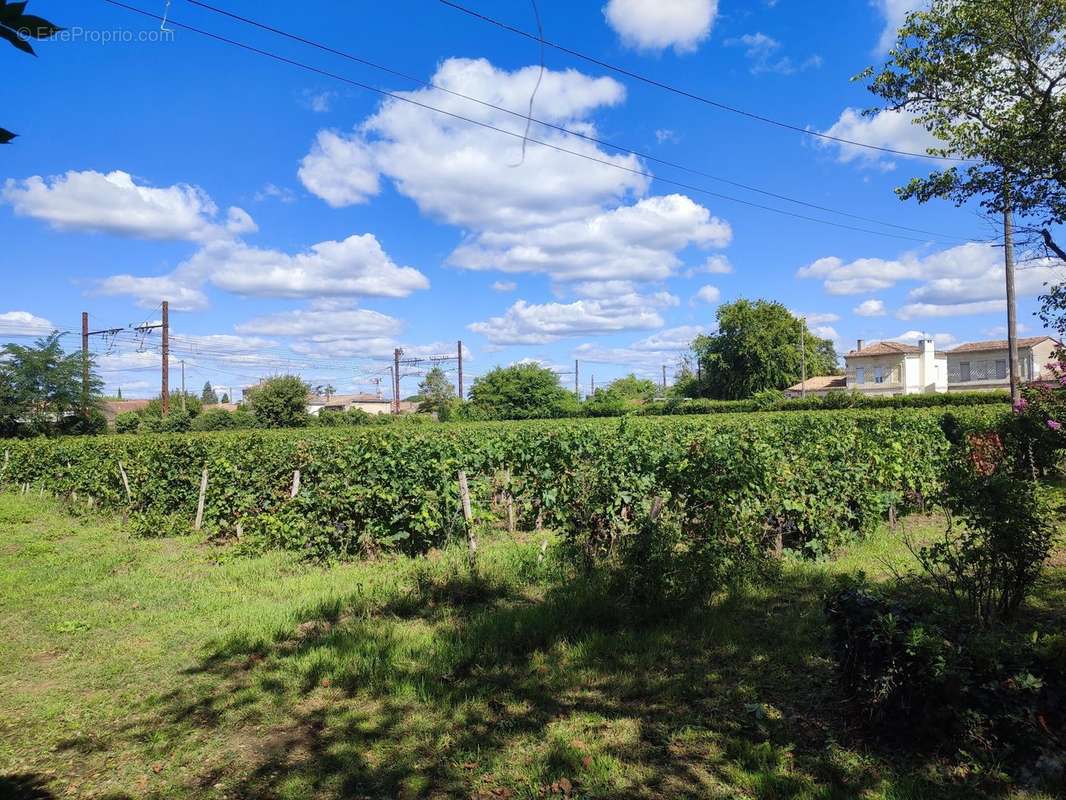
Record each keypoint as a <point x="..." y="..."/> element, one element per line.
<point x="820" y="383"/>
<point x="112" y="408"/>
<point x="884" y="349"/>
<point x="345" y="399"/>
<point x="222" y="406"/>
<point x="998" y="344"/>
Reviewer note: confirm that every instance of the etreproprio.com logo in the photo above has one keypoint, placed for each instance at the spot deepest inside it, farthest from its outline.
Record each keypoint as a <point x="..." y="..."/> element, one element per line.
<point x="78" y="34"/>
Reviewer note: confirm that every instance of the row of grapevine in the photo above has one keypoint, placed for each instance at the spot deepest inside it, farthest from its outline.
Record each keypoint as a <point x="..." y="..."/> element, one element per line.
<point x="819" y="474"/>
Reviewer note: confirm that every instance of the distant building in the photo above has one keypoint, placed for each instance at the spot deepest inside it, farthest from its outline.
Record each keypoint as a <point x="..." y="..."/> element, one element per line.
<point x="896" y="368"/>
<point x="370" y="403"/>
<point x="112" y="408"/>
<point x="818" y="386"/>
<point x="983" y="365"/>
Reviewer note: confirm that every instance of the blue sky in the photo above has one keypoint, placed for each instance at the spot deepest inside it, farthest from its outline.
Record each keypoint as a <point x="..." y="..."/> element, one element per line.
<point x="300" y="223"/>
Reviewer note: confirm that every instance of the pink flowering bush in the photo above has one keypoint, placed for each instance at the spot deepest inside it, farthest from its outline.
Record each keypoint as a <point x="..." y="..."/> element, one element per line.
<point x="1037" y="430"/>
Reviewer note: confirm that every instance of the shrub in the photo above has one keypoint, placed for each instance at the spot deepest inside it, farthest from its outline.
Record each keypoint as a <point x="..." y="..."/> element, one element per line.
<point x="191" y="403"/>
<point x="280" y="402"/>
<point x="91" y="423"/>
<point x="1040" y="428"/>
<point x="328" y="418"/>
<point x="767" y="399"/>
<point x="988" y="566"/>
<point x="127" y="422"/>
<point x="214" y="419"/>
<point x="606" y="403"/>
<point x="993" y="694"/>
<point x="521" y="391"/>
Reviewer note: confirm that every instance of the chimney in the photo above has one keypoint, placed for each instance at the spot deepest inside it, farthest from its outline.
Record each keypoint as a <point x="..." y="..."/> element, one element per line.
<point x="927" y="345"/>
<point x="860" y="344"/>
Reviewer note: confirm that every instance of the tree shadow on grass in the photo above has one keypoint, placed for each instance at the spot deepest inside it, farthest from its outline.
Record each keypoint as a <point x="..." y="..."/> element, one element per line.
<point x="500" y="696"/>
<point x="24" y="786"/>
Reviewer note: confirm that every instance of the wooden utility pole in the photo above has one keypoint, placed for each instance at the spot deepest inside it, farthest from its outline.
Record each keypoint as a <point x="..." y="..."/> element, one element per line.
<point x="459" y="356"/>
<point x="84" y="362"/>
<point x="396" y="380"/>
<point x="577" y="384"/>
<point x="1012" y="311"/>
<point x="803" y="357"/>
<point x="165" y="396"/>
<point x="183" y="385"/>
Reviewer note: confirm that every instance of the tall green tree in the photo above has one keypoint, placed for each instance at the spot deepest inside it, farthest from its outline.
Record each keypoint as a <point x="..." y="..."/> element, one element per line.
<point x="192" y="403"/>
<point x="41" y="390"/>
<point x="521" y="391"/>
<point x="758" y="346"/>
<point x="633" y="388"/>
<point x="435" y="391"/>
<point x="209" y="397"/>
<point x="988" y="79"/>
<point x="280" y="402"/>
<point x="17" y="28"/>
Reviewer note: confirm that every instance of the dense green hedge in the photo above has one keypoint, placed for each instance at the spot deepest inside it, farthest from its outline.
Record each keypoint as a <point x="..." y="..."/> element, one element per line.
<point x="816" y="476"/>
<point x="834" y="400"/>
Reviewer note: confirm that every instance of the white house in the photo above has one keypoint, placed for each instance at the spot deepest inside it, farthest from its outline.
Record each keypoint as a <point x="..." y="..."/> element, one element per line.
<point x="370" y="403"/>
<point x="983" y="365"/>
<point x="895" y="368"/>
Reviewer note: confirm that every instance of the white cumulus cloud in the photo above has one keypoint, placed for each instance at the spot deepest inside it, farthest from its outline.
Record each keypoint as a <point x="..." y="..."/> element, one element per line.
<point x="354" y="267"/>
<point x="630" y="242"/>
<point x="339" y="170"/>
<point x="530" y="323"/>
<point x="147" y="291"/>
<point x="659" y="24"/>
<point x="707" y="294"/>
<point x="962" y="280"/>
<point x="870" y="308"/>
<point x="894" y="12"/>
<point x="324" y="323"/>
<point x="895" y="130"/>
<point x="116" y="203"/>
<point x="23" y="323"/>
<point x="538" y="211"/>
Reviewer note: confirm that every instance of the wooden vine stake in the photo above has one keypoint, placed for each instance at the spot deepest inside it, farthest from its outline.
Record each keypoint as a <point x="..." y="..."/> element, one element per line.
<point x="295" y="483"/>
<point x="510" y="501"/>
<point x="200" y="504"/>
<point x="468" y="514"/>
<point x="125" y="483"/>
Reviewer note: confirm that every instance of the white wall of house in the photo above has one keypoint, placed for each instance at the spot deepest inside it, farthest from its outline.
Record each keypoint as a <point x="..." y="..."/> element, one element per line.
<point x="906" y="373"/>
<point x="877" y="375"/>
<point x="373" y="406"/>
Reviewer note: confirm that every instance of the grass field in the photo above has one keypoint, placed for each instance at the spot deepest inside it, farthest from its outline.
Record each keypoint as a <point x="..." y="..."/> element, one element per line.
<point x="134" y="668"/>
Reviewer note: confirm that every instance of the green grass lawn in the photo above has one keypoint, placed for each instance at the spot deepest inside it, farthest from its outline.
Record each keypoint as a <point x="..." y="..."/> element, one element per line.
<point x="133" y="668"/>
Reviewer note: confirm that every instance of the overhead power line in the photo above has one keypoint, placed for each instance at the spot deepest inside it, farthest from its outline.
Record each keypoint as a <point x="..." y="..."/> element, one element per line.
<point x="686" y="93"/>
<point x="400" y="98"/>
<point x="527" y="116"/>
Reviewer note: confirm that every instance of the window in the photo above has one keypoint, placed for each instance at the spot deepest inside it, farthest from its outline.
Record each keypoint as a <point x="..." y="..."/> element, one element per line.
<point x="879" y="375"/>
<point x="1001" y="369"/>
<point x="860" y="374"/>
<point x="964" y="371"/>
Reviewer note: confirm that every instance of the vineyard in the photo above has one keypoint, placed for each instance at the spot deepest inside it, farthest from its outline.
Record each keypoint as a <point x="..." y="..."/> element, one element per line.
<point x="806" y="478"/>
